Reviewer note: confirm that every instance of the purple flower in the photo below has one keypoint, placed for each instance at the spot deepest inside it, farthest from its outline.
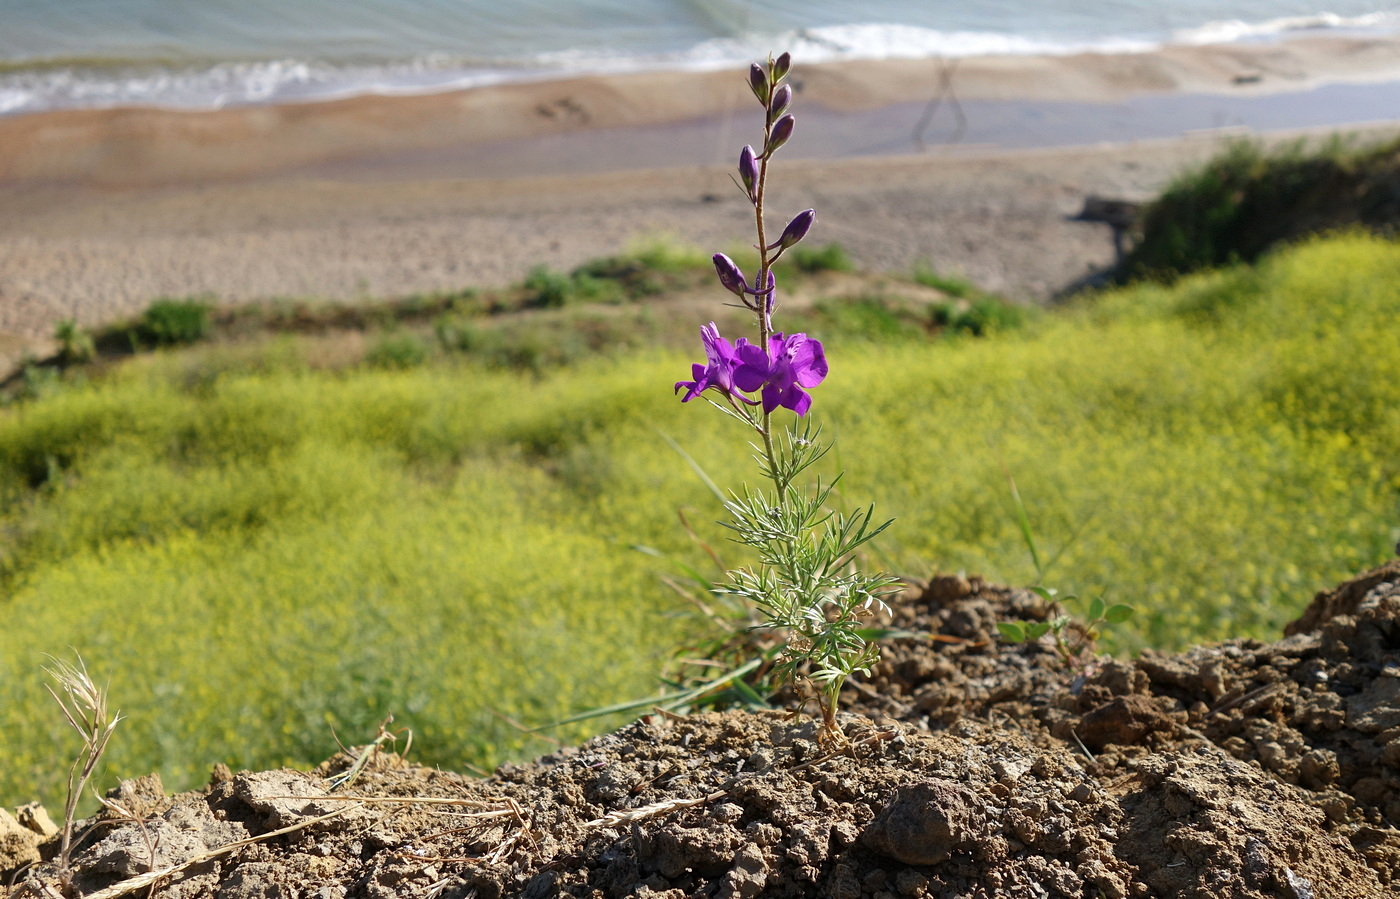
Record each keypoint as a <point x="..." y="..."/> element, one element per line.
<point x="729" y="274"/>
<point x="758" y="83"/>
<point x="748" y="169"/>
<point x="769" y="293"/>
<point x="782" y="99"/>
<point x="791" y="363"/>
<point x="796" y="229"/>
<point x="782" y="130"/>
<point x="718" y="370"/>
<point x="781" y="66"/>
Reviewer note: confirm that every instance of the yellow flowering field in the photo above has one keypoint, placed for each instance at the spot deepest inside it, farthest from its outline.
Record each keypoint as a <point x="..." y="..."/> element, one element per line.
<point x="261" y="558"/>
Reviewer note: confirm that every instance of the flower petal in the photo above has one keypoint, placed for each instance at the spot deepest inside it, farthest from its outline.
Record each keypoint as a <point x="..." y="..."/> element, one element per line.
<point x="753" y="368"/>
<point x="809" y="363"/>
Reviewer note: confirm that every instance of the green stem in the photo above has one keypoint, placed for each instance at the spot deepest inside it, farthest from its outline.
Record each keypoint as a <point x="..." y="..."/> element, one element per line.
<point x="765" y="324"/>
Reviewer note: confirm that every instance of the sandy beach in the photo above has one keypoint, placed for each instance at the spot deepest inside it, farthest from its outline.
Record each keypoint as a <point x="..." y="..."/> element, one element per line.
<point x="974" y="168"/>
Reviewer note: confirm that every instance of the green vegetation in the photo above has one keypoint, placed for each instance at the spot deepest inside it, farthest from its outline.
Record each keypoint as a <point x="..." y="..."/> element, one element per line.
<point x="173" y="323"/>
<point x="811" y="260"/>
<point x="1249" y="199"/>
<point x="261" y="555"/>
<point x="75" y="345"/>
<point x="397" y="349"/>
<point x="647" y="270"/>
<point x="952" y="285"/>
<point x="969" y="310"/>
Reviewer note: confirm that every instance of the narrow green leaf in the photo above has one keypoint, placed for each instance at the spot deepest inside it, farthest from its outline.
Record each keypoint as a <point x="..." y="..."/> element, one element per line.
<point x="1024" y="519"/>
<point x="750" y="695"/>
<point x="870" y="634"/>
<point x="664" y="701"/>
<point x="695" y="467"/>
<point x="1096" y="608"/>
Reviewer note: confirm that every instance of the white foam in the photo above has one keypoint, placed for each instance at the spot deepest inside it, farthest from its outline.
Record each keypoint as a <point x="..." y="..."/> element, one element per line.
<point x="1232" y="30"/>
<point x="291" y="80"/>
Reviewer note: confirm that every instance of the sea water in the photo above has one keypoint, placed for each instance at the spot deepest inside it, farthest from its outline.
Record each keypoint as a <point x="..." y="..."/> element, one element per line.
<point x="211" y="53"/>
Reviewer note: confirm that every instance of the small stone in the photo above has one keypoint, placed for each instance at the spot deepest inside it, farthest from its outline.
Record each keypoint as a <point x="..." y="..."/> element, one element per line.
<point x="1124" y="722"/>
<point x="925" y="823"/>
<point x="1319" y="768"/>
<point x="18" y="844"/>
<point x="36" y="818"/>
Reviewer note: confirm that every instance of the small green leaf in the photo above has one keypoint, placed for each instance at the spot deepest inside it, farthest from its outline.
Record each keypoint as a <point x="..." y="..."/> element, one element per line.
<point x="1045" y="593"/>
<point x="1037" y="630"/>
<point x="888" y="633"/>
<point x="1011" y="631"/>
<point x="1096" y="608"/>
<point x="1119" y="613"/>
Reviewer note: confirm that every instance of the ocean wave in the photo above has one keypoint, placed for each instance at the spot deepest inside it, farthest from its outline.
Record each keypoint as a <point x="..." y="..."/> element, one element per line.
<point x="74" y="84"/>
<point x="217" y="85"/>
<point x="1232" y="30"/>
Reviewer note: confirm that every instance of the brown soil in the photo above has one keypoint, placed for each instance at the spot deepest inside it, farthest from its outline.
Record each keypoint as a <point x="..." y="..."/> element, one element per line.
<point x="972" y="769"/>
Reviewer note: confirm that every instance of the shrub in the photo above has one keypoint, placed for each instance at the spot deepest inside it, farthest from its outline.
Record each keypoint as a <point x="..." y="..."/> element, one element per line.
<point x="174" y="322"/>
<point x="75" y="345"/>
<point x="830" y="258"/>
<point x="982" y="316"/>
<point x="953" y="286"/>
<point x="549" y="289"/>
<point x="397" y="350"/>
<point x="867" y="318"/>
<point x="1248" y="199"/>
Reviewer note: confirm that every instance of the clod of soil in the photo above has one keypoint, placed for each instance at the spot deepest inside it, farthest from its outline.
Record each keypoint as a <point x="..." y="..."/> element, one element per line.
<point x="972" y="769"/>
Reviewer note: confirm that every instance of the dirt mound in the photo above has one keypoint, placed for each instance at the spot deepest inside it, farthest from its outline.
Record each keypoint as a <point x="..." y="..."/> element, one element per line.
<point x="1246" y="769"/>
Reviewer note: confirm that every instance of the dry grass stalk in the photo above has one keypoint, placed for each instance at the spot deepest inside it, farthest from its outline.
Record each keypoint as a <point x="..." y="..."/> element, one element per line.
<point x="502" y="807"/>
<point x="488" y="809"/>
<point x="85" y="707"/>
<point x="628" y="816"/>
<point x="371" y="751"/>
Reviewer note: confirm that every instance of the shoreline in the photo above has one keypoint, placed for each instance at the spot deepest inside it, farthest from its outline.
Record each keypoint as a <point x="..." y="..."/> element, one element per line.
<point x="103" y="211"/>
<point x="857" y="108"/>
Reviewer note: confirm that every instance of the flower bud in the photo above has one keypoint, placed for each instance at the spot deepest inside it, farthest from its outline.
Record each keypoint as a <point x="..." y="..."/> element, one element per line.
<point x="770" y="295"/>
<point x="796" y="229"/>
<point x="781" y="66"/>
<point x="748" y="169"/>
<point x="782" y="99"/>
<point x="758" y="83"/>
<point x="729" y="274"/>
<point x="782" y="130"/>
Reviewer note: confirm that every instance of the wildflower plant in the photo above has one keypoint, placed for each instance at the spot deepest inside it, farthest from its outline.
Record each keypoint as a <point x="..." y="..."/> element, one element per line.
<point x="805" y="584"/>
